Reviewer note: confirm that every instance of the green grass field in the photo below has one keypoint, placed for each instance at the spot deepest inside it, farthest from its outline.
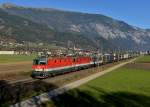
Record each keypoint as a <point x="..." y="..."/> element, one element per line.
<point x="144" y="59"/>
<point x="124" y="87"/>
<point x="15" y="58"/>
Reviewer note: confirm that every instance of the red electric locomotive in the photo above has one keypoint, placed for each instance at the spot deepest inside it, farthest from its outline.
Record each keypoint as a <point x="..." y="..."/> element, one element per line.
<point x="44" y="67"/>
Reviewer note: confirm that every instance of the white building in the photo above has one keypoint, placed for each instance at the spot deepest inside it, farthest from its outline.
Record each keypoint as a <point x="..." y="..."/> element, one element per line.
<point x="7" y="52"/>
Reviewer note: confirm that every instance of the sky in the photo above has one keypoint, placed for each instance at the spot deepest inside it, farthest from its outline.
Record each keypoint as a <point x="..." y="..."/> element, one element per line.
<point x="134" y="12"/>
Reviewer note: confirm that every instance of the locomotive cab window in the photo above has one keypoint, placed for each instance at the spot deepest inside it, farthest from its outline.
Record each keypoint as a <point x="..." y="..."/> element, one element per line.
<point x="40" y="61"/>
<point x="35" y="62"/>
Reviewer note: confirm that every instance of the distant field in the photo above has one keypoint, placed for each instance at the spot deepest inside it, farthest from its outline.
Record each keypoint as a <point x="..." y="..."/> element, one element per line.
<point x="15" y="58"/>
<point x="144" y="59"/>
<point x="124" y="87"/>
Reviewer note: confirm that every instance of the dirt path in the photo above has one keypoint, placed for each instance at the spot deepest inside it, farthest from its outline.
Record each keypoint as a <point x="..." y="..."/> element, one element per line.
<point x="34" y="102"/>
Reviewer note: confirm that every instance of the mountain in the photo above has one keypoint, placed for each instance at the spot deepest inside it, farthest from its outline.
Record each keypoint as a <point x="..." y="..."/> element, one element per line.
<point x="83" y="29"/>
<point x="21" y="29"/>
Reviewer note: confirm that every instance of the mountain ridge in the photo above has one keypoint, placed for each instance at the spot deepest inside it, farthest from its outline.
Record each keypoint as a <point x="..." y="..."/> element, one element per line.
<point x="90" y="26"/>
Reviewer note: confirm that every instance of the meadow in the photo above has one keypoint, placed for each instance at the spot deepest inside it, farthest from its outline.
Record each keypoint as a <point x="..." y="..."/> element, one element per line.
<point x="144" y="59"/>
<point x="15" y="58"/>
<point x="124" y="87"/>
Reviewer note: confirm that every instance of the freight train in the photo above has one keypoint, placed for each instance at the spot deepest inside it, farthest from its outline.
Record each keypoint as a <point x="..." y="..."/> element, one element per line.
<point x="44" y="67"/>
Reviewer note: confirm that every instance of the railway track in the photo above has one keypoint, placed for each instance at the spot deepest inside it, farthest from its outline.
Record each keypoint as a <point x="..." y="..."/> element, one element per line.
<point x="21" y="81"/>
<point x="67" y="76"/>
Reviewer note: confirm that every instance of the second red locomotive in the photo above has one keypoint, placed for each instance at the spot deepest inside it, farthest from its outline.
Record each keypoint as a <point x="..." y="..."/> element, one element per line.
<point x="44" y="67"/>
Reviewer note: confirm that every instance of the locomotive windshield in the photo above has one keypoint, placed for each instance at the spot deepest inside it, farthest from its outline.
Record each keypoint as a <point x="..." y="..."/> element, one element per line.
<point x="40" y="61"/>
<point x="35" y="62"/>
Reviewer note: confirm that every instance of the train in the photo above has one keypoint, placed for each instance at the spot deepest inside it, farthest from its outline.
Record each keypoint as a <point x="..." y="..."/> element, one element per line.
<point x="44" y="67"/>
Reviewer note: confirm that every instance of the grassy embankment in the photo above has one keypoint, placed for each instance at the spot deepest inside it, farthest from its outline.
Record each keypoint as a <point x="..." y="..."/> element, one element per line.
<point x="124" y="87"/>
